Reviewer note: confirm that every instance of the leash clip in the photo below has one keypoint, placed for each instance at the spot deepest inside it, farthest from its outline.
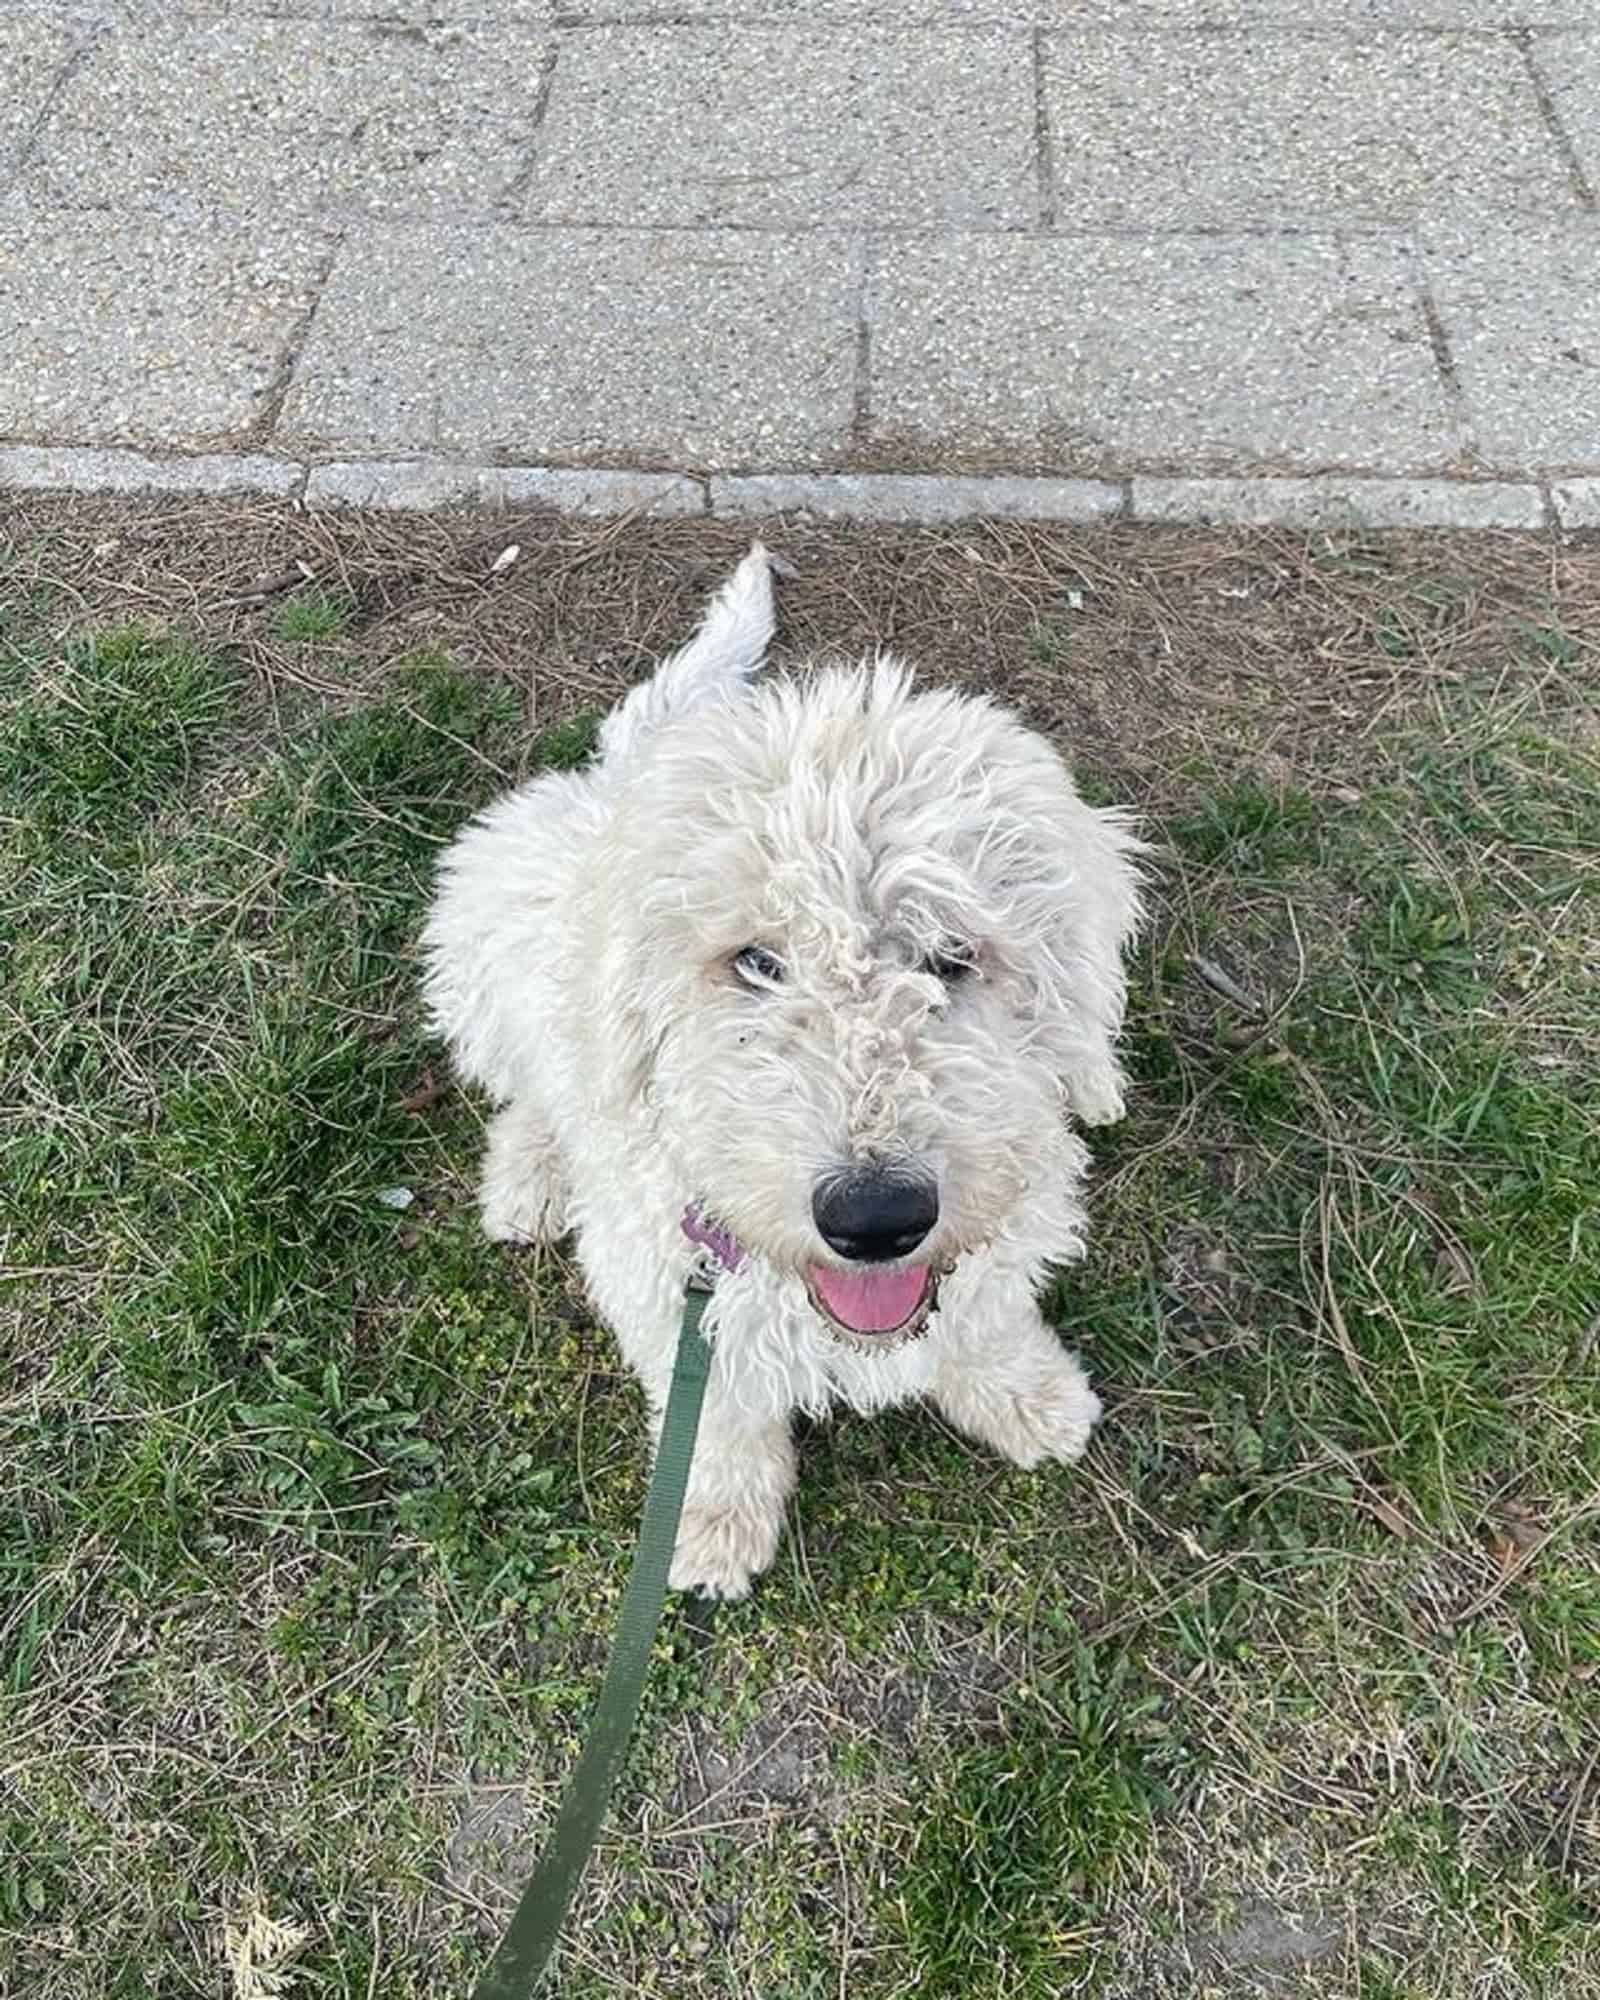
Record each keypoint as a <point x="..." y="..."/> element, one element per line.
<point x="703" y="1272"/>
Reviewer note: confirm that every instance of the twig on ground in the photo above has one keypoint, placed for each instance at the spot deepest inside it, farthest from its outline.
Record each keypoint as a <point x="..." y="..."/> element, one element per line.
<point x="271" y="586"/>
<point x="1225" y="984"/>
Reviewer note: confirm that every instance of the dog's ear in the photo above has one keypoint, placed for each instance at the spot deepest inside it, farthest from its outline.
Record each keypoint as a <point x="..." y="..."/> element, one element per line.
<point x="1090" y="914"/>
<point x="621" y="1002"/>
<point x="729" y="648"/>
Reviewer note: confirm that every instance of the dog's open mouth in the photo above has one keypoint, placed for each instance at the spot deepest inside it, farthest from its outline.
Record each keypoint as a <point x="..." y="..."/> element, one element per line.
<point x="874" y="1300"/>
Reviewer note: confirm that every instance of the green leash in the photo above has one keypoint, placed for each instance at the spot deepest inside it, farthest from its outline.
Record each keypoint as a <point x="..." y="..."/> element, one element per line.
<point x="523" y="1954"/>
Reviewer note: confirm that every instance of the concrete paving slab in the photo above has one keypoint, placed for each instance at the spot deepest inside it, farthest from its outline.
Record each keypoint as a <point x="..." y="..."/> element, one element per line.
<point x="415" y="485"/>
<point x="1487" y="16"/>
<point x="408" y="13"/>
<point x="1230" y="286"/>
<point x="290" y="116"/>
<point x="790" y="127"/>
<point x="1239" y="130"/>
<point x="1097" y="354"/>
<point x="1015" y="14"/>
<point x="1339" y="503"/>
<point x="149" y="332"/>
<point x="34" y="53"/>
<point x="888" y="496"/>
<point x="1521" y="313"/>
<point x="685" y="348"/>
<point x="1570" y="67"/>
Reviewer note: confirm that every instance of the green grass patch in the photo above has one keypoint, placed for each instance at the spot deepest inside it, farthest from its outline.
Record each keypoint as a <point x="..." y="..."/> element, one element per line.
<point x="310" y="616"/>
<point x="1249" y="828"/>
<point x="315" y="1510"/>
<point x="1015" y="1841"/>
<point x="106" y="730"/>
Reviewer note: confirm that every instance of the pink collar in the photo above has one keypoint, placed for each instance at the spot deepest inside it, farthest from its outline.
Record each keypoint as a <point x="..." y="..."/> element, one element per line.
<point x="706" y="1235"/>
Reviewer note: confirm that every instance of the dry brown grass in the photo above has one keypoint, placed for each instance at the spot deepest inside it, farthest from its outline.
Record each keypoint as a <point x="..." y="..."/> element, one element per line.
<point x="1267" y="637"/>
<point x="1328" y="1584"/>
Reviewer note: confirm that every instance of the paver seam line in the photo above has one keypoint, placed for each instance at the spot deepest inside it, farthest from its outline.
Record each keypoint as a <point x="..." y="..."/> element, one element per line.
<point x="1444" y="359"/>
<point x="1044" y="149"/>
<point x="277" y="390"/>
<point x="89" y="36"/>
<point x="1472" y="469"/>
<point x="701" y="481"/>
<point x="1351" y="30"/>
<point x="865" y="261"/>
<point x="508" y="202"/>
<point x="1582" y="186"/>
<point x="338" y="216"/>
<point x="1439" y="340"/>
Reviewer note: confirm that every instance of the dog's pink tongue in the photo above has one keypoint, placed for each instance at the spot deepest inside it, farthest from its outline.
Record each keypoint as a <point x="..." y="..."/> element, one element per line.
<point x="872" y="1300"/>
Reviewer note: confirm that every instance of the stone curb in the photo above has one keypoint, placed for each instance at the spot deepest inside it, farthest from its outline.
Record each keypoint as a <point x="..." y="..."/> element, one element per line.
<point x="416" y="484"/>
<point x="73" y="469"/>
<point x="1339" y="503"/>
<point x="1577" y="503"/>
<point x="897" y="496"/>
<point x="410" y="485"/>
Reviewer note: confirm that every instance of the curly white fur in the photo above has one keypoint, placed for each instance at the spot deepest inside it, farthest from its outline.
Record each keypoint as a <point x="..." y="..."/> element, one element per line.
<point x="581" y="965"/>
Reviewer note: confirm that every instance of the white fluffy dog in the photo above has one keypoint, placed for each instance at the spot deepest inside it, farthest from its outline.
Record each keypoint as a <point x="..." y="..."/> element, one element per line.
<point x="831" y="963"/>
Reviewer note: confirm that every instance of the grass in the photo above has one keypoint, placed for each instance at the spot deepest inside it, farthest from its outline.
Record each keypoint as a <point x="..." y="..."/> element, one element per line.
<point x="311" y="615"/>
<point x="315" y="1513"/>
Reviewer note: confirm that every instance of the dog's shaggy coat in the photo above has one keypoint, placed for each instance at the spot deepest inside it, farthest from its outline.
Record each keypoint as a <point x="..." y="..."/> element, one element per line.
<point x="782" y="939"/>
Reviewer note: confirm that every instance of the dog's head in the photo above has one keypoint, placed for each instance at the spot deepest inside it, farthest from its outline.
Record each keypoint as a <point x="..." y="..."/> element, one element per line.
<point x="868" y="958"/>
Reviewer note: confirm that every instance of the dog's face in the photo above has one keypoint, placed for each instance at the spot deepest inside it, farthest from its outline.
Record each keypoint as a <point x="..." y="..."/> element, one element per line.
<point x="869" y="956"/>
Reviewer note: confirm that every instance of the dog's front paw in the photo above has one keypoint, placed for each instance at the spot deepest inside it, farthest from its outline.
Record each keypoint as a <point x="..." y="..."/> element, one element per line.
<point x="529" y="1208"/>
<point x="1096" y="1096"/>
<point x="523" y="1195"/>
<point x="722" y="1549"/>
<point x="1053" y="1421"/>
<point x="510" y="1221"/>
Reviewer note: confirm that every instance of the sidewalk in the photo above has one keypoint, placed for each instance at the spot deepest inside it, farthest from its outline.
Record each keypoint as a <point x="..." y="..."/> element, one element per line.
<point x="1232" y="259"/>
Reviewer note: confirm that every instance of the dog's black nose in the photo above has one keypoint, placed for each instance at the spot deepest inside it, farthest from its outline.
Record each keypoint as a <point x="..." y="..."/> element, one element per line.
<point x="873" y="1217"/>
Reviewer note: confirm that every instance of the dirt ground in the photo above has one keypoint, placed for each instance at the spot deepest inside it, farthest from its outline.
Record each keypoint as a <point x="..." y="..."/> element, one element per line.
<point x="1290" y="1688"/>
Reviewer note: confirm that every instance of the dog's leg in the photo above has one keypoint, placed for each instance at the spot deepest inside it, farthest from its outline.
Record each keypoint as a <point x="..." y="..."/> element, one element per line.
<point x="523" y="1197"/>
<point x="1091" y="1074"/>
<point x="1005" y="1379"/>
<point x="739" y="1485"/>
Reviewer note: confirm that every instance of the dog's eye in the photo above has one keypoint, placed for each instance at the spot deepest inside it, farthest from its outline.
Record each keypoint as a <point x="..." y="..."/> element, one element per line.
<point x="757" y="966"/>
<point x="952" y="962"/>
